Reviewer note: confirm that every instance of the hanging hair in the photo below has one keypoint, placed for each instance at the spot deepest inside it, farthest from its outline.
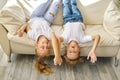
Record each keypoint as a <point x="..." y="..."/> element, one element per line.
<point x="69" y="62"/>
<point x="41" y="66"/>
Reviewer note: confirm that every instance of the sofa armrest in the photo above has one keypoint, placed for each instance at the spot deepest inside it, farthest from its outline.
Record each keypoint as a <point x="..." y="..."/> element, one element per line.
<point x="118" y="54"/>
<point x="4" y="42"/>
<point x="116" y="59"/>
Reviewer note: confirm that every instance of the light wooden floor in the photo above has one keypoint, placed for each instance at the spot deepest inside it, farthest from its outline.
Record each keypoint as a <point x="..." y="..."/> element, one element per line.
<point x="22" y="68"/>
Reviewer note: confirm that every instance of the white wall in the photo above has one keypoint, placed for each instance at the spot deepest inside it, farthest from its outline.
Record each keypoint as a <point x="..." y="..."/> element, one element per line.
<point x="2" y="3"/>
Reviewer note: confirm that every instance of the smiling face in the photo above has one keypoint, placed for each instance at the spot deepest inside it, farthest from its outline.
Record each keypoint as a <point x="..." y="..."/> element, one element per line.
<point x="43" y="46"/>
<point x="73" y="50"/>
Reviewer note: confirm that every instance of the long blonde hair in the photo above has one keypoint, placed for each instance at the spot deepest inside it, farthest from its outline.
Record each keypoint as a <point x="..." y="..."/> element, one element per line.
<point x="41" y="66"/>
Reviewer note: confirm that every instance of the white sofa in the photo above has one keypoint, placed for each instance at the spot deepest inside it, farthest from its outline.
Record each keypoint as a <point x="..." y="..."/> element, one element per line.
<point x="98" y="19"/>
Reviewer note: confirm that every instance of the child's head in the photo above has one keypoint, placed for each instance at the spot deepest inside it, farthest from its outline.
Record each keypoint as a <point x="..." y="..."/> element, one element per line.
<point x="73" y="53"/>
<point x="73" y="50"/>
<point x="42" y="50"/>
<point x="43" y="46"/>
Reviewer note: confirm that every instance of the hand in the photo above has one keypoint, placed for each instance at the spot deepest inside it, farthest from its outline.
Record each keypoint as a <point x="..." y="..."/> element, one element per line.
<point x="58" y="61"/>
<point x="92" y="56"/>
<point x="20" y="32"/>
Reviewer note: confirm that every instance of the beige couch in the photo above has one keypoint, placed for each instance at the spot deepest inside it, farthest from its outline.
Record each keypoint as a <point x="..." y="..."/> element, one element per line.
<point x="100" y="17"/>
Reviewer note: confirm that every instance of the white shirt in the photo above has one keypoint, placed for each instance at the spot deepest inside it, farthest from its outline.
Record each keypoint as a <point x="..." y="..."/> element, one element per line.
<point x="39" y="26"/>
<point x="74" y="31"/>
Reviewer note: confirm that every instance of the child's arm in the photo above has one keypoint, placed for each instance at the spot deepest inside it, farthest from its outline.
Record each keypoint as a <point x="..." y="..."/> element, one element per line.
<point x="91" y="54"/>
<point x="22" y="29"/>
<point x="55" y="43"/>
<point x="60" y="39"/>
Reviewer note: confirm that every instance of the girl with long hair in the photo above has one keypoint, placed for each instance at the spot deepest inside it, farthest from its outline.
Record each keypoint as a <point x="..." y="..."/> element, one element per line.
<point x="38" y="28"/>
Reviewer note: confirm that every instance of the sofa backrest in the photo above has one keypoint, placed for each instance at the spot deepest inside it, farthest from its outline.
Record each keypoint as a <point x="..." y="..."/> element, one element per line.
<point x="93" y="10"/>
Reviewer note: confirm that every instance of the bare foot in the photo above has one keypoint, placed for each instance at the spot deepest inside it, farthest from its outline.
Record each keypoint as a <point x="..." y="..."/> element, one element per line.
<point x="20" y="32"/>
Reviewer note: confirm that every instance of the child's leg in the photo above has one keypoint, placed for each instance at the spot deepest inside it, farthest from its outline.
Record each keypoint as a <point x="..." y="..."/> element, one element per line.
<point x="67" y="11"/>
<point x="66" y="8"/>
<point x="75" y="11"/>
<point x="41" y="9"/>
<point x="52" y="11"/>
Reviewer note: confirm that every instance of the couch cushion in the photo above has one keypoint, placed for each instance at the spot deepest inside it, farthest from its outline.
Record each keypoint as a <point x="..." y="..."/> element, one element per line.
<point x="92" y="10"/>
<point x="28" y="41"/>
<point x="12" y="16"/>
<point x="106" y="39"/>
<point x="111" y="20"/>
